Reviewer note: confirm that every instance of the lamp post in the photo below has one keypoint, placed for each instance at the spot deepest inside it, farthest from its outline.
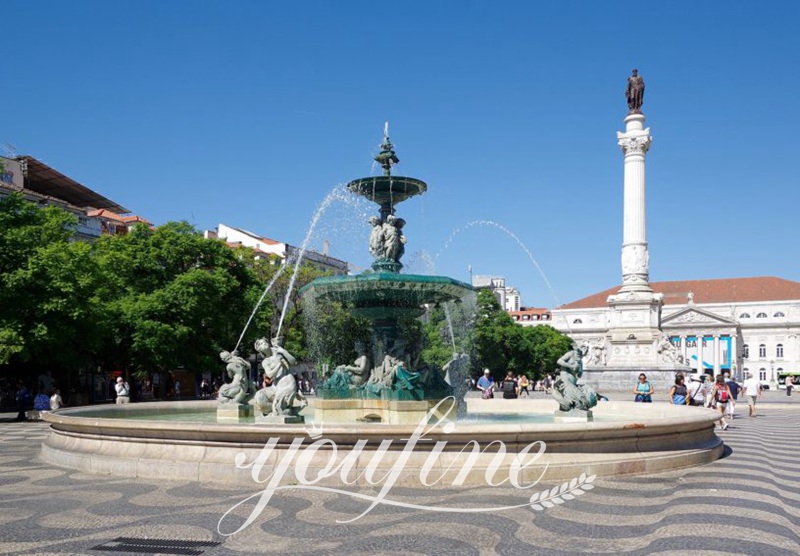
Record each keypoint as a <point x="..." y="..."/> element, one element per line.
<point x="772" y="382"/>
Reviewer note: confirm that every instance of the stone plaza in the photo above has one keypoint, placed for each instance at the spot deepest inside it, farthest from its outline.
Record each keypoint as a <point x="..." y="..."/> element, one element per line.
<point x="745" y="503"/>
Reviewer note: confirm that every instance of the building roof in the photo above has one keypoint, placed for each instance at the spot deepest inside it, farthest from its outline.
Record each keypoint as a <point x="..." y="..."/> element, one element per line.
<point x="724" y="290"/>
<point x="43" y="179"/>
<point x="107" y="214"/>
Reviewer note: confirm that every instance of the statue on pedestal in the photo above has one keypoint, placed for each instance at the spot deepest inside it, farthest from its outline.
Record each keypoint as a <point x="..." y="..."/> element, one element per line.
<point x="278" y="398"/>
<point x="566" y="391"/>
<point x="634" y="92"/>
<point x="240" y="387"/>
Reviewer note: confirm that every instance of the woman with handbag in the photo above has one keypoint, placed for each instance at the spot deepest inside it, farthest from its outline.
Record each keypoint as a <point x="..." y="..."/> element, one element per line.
<point x="643" y="390"/>
<point x="678" y="394"/>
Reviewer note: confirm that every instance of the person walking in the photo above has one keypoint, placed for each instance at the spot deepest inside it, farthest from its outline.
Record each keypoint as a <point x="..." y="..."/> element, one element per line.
<point x="123" y="391"/>
<point x="734" y="388"/>
<point x="752" y="389"/>
<point x="644" y="390"/>
<point x="789" y="382"/>
<point x="23" y="399"/>
<point x="697" y="390"/>
<point x="721" y="395"/>
<point x="523" y="386"/>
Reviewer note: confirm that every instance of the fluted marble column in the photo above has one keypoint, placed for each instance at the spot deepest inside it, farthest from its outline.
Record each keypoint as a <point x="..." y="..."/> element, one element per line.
<point x="635" y="142"/>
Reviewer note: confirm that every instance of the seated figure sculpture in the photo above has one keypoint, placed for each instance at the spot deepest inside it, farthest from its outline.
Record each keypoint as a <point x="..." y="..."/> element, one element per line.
<point x="350" y="376"/>
<point x="278" y="398"/>
<point x="566" y="390"/>
<point x="238" y="390"/>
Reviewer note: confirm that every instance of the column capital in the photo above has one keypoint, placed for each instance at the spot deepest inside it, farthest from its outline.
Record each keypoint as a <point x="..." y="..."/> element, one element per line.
<point x="638" y="143"/>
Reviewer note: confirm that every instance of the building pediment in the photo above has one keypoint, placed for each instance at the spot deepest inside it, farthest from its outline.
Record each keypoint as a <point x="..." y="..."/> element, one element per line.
<point x="694" y="315"/>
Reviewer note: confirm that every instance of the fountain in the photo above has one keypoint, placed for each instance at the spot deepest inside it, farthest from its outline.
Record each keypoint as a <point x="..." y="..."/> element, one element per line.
<point x="386" y="414"/>
<point x="388" y="384"/>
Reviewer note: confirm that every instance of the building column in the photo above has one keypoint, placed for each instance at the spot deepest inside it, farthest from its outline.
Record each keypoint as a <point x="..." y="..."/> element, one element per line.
<point x="736" y="372"/>
<point x="699" y="342"/>
<point x="683" y="348"/>
<point x="717" y="366"/>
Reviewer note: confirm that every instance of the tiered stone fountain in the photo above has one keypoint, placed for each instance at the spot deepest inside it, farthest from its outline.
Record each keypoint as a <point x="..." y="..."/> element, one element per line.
<point x="387" y="383"/>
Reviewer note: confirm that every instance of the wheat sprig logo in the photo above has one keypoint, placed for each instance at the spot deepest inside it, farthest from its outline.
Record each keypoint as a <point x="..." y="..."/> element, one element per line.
<point x="548" y="498"/>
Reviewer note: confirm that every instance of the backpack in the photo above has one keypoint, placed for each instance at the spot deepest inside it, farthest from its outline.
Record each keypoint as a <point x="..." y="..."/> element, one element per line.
<point x="722" y="395"/>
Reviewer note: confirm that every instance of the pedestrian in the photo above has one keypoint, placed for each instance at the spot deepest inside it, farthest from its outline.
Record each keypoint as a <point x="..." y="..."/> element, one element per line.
<point x="486" y="384"/>
<point x="205" y="390"/>
<point x="721" y="395"/>
<point x="734" y="388"/>
<point x="123" y="391"/>
<point x="643" y="390"/>
<point x="752" y="389"/>
<point x="523" y="385"/>
<point x="547" y="384"/>
<point x="55" y="400"/>
<point x="23" y="399"/>
<point x="789" y="382"/>
<point x="678" y="394"/>
<point x="509" y="386"/>
<point x="177" y="389"/>
<point x="697" y="390"/>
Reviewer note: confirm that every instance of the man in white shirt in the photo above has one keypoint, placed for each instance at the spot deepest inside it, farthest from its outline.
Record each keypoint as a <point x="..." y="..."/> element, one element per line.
<point x="697" y="390"/>
<point x="752" y="389"/>
<point x="123" y="391"/>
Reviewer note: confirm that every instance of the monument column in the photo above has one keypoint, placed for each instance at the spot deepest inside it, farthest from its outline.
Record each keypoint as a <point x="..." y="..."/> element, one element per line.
<point x="634" y="142"/>
<point x="634" y="311"/>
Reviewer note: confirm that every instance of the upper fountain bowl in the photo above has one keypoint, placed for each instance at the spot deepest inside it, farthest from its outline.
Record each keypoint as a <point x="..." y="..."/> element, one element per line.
<point x="387" y="190"/>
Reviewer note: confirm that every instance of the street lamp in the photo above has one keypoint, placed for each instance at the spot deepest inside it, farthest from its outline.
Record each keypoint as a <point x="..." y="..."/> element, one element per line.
<point x="772" y="383"/>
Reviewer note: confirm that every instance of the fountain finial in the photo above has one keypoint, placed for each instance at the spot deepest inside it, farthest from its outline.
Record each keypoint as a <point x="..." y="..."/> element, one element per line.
<point x="387" y="157"/>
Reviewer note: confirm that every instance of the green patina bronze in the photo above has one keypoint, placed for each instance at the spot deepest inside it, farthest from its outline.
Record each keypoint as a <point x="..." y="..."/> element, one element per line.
<point x="385" y="297"/>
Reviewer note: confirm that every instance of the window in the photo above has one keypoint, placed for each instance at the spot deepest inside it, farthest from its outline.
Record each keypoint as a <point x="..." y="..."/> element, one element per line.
<point x="762" y="374"/>
<point x="779" y="351"/>
<point x="577" y="321"/>
<point x="746" y="351"/>
<point x="762" y="351"/>
<point x="761" y="316"/>
<point x="744" y="316"/>
<point x="779" y="314"/>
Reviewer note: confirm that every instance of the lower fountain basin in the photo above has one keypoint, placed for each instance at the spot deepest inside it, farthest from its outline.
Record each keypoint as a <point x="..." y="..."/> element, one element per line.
<point x="378" y="295"/>
<point x="140" y="440"/>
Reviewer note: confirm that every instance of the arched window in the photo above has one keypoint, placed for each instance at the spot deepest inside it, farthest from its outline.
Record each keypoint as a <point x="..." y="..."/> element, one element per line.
<point x="779" y="350"/>
<point x="779" y="314"/>
<point x="744" y="316"/>
<point x="761" y="316"/>
<point x="545" y="317"/>
<point x="746" y="351"/>
<point x="762" y="374"/>
<point x="762" y="351"/>
<point x="577" y="321"/>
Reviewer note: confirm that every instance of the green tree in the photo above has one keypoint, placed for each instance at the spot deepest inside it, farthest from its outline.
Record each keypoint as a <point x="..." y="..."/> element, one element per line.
<point x="48" y="307"/>
<point x="173" y="298"/>
<point x="502" y="345"/>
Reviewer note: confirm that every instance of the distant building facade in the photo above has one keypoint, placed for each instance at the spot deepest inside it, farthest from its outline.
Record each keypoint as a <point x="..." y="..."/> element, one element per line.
<point x="509" y="298"/>
<point x="38" y="183"/>
<point x="284" y="251"/>
<point x="737" y="325"/>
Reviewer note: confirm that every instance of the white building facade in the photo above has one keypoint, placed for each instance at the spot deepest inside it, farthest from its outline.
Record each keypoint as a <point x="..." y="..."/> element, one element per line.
<point x="746" y="325"/>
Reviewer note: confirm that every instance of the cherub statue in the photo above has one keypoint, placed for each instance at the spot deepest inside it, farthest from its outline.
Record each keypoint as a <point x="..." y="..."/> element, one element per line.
<point x="240" y="387"/>
<point x="566" y="390"/>
<point x="278" y="398"/>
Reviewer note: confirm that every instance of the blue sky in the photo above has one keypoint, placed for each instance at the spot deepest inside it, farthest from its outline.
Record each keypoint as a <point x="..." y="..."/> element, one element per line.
<point x="250" y="113"/>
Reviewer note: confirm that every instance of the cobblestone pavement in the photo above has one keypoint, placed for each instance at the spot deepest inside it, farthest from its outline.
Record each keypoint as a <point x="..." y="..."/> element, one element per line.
<point x="746" y="503"/>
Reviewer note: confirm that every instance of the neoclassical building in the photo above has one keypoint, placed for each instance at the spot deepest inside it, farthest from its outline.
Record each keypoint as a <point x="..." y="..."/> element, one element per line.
<point x="746" y="324"/>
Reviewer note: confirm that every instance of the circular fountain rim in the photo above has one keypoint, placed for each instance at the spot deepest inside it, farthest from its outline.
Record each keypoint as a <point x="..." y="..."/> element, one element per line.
<point x="208" y="452"/>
